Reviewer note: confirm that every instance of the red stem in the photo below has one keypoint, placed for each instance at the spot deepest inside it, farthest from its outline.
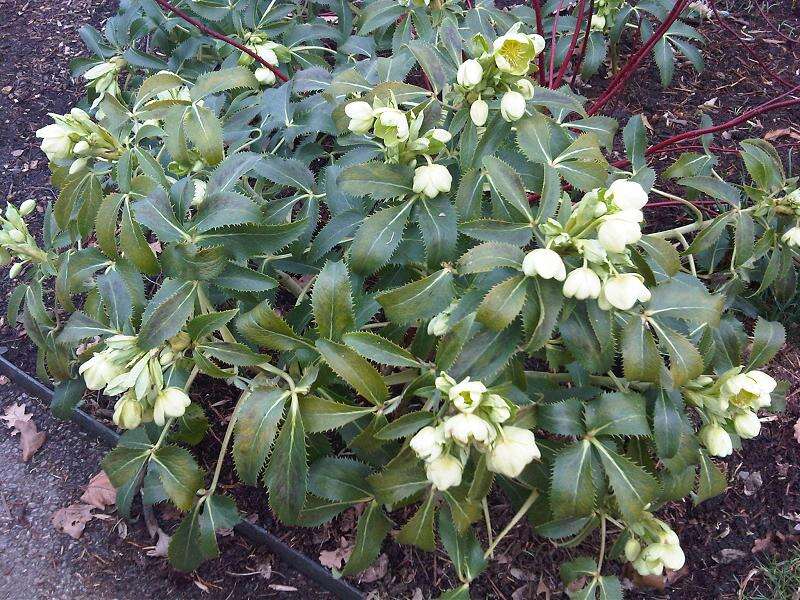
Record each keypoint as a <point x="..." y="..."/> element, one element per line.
<point x="774" y="27"/>
<point x="218" y="36"/>
<point x="626" y="72"/>
<point x="738" y="37"/>
<point x="556" y="15"/>
<point x="537" y="9"/>
<point x="572" y="43"/>
<point x="584" y="44"/>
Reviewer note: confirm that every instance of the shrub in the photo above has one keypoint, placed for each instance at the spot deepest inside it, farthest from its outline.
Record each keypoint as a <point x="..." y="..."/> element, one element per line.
<point x="416" y="266"/>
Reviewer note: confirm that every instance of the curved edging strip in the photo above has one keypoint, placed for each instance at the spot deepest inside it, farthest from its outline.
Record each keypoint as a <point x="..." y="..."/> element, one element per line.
<point x="257" y="535"/>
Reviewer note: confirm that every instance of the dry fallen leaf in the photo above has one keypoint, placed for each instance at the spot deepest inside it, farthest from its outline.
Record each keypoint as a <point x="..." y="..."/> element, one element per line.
<point x="797" y="431"/>
<point x="376" y="571"/>
<point x="162" y="545"/>
<point x="72" y="519"/>
<point x="15" y="412"/>
<point x="99" y="492"/>
<point x="762" y="544"/>
<point x="334" y="559"/>
<point x="30" y="438"/>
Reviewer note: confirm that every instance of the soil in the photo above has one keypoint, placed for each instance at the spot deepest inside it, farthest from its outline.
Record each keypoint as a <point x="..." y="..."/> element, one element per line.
<point x="724" y="538"/>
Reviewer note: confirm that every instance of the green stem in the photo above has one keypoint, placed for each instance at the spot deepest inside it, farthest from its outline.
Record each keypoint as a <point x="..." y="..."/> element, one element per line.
<point x="598" y="379"/>
<point x="678" y="231"/>
<point x="514" y="520"/>
<point x="602" y="544"/>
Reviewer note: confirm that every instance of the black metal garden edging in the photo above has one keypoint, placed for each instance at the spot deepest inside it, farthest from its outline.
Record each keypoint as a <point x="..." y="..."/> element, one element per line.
<point x="257" y="535"/>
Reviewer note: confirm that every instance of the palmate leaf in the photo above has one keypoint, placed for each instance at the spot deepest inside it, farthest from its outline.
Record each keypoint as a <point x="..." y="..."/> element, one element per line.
<point x="354" y="369"/>
<point x="418" y="300"/>
<point x="179" y="474"/>
<point x="373" y="525"/>
<point x="287" y="473"/>
<point x="377" y="238"/>
<point x="255" y="429"/>
<point x="503" y="303"/>
<point x="633" y="487"/>
<point x="572" y="490"/>
<point x="332" y="301"/>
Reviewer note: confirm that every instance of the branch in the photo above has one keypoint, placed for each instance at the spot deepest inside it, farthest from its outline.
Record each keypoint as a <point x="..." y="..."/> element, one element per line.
<point x="627" y="71"/>
<point x="774" y="27"/>
<point x="537" y="9"/>
<point x="572" y="44"/>
<point x="584" y="44"/>
<point x="556" y="15"/>
<point x="218" y="36"/>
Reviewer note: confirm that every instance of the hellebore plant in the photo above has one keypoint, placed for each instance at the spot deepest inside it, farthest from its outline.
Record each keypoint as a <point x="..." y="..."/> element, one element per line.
<point x="400" y="241"/>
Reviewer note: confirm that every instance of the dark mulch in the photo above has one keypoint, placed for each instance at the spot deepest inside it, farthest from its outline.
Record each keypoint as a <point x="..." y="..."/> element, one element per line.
<point x="719" y="536"/>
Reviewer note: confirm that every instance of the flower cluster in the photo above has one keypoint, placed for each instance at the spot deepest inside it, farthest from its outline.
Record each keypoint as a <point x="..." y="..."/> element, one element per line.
<point x="729" y="403"/>
<point x="653" y="546"/>
<point x="605" y="13"/>
<point x="268" y="51"/>
<point x="103" y="78"/>
<point x="76" y="137"/>
<point x="16" y="242"/>
<point x="602" y="226"/>
<point x="123" y="368"/>
<point x="501" y="72"/>
<point x="476" y="422"/>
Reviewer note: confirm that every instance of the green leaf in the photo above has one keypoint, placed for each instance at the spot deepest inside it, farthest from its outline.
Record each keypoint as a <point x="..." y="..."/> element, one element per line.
<point x="663" y="253"/>
<point x="379" y="349"/>
<point x="185" y="550"/>
<point x="617" y="413"/>
<point x="168" y="318"/>
<point x="288" y="172"/>
<point x="503" y="303"/>
<point x="463" y="549"/>
<point x="563" y="418"/>
<point x="355" y="370"/>
<point x="641" y="360"/>
<point x="67" y="395"/>
<point x="202" y="325"/>
<point x="378" y="180"/>
<point x="320" y="414"/>
<point x="341" y="479"/>
<point x="572" y="491"/>
<point x="219" y="512"/>
<point x="332" y="301"/>
<point x="489" y="256"/>
<point x="533" y="137"/>
<point x="667" y="422"/>
<point x="709" y="235"/>
<point x="204" y="129"/>
<point x="633" y="487"/>
<point x="505" y="181"/>
<point x="242" y="279"/>
<point x="224" y="80"/>
<point x="687" y="300"/>
<point x="714" y="187"/>
<point x="373" y="526"/>
<point x="418" y="531"/>
<point x="437" y="223"/>
<point x="245" y="241"/>
<point x="179" y="474"/>
<point x="399" y="480"/>
<point x="685" y="362"/>
<point x="287" y="473"/>
<point x="581" y="333"/>
<point x="469" y="195"/>
<point x="222" y="209"/>
<point x="407" y="425"/>
<point x="378" y="237"/>
<point x="80" y="327"/>
<point x="264" y="327"/>
<point x="418" y="300"/>
<point x="540" y="313"/>
<point x="192" y="426"/>
<point x="712" y="481"/>
<point x="379" y="14"/>
<point x="133" y="244"/>
<point x="635" y="140"/>
<point x="255" y="430"/>
<point x="768" y="338"/>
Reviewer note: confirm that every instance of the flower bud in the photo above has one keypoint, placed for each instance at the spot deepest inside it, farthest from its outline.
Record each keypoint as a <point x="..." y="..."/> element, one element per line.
<point x="512" y="106"/>
<point x="444" y="472"/>
<point x="428" y="443"/>
<point x="127" y="412"/>
<point x="78" y="166"/>
<point x="470" y="73"/>
<point x="432" y="180"/>
<point x="525" y="88"/>
<point x="391" y="125"/>
<point x="27" y="207"/>
<point x="98" y="371"/>
<point x="56" y="143"/>
<point x="598" y="23"/>
<point x="15" y="270"/>
<point x="361" y="116"/>
<point x="513" y="450"/>
<point x="581" y="284"/>
<point x="199" y="195"/>
<point x="180" y="341"/>
<point x="465" y="428"/>
<point x="82" y="147"/>
<point x="444" y="382"/>
<point x="16" y="235"/>
<point x="265" y="76"/>
<point x="467" y="395"/>
<point x="747" y="425"/>
<point x="792" y="237"/>
<point x="479" y="112"/>
<point x="544" y="263"/>
<point x="495" y="408"/>
<point x="622" y="292"/>
<point x="716" y="440"/>
<point x="170" y="402"/>
<point x="632" y="549"/>
<point x="626" y="194"/>
<point x="614" y="234"/>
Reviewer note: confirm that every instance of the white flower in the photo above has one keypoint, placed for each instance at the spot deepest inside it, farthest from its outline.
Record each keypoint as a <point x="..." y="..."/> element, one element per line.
<point x="622" y="292"/>
<point x="465" y="428"/>
<point x="432" y="180"/>
<point x="669" y="555"/>
<point x="626" y="194"/>
<point x="15" y="270"/>
<point x="27" y="207"/>
<point x="514" y="51"/>
<point x="266" y="53"/>
<point x="428" y="443"/>
<point x="747" y="424"/>
<point x="82" y="147"/>
<point x="479" y="112"/>
<point x="598" y="22"/>
<point x="495" y="408"/>
<point x="391" y="125"/>
<point x="440" y="135"/>
<point x="444" y="472"/>
<point x="56" y="142"/>
<point x="440" y="324"/>
<point x="199" y="195"/>
<point x="127" y="412"/>
<point x="582" y="283"/>
<point x="170" y="402"/>
<point x="615" y="233"/>
<point x="265" y="76"/>
<point x="512" y="106"/>
<point x="751" y="389"/>
<point x="361" y="116"/>
<point x="592" y="250"/>
<point x="716" y="440"/>
<point x="444" y="382"/>
<point x="470" y="73"/>
<point x="98" y="71"/>
<point x="544" y="263"/>
<point x="17" y="236"/>
<point x="98" y="371"/>
<point x="466" y="395"/>
<point x="525" y="88"/>
<point x="792" y="237"/>
<point x="513" y="450"/>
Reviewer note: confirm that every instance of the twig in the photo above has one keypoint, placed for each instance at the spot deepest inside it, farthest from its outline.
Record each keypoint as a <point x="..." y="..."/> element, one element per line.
<point x="553" y="30"/>
<point x="218" y="36"/>
<point x="572" y="44"/>
<point x="537" y="9"/>
<point x="584" y="44"/>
